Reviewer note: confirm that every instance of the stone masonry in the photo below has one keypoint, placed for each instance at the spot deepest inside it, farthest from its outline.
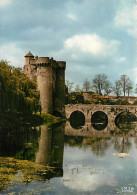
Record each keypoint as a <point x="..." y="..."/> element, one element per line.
<point x="50" y="77"/>
<point x="112" y="111"/>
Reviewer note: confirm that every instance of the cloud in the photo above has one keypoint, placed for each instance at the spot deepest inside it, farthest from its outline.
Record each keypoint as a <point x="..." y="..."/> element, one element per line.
<point x="85" y="181"/>
<point x="122" y="59"/>
<point x="72" y="17"/>
<point x="87" y="40"/>
<point x="88" y="183"/>
<point x="135" y="75"/>
<point x="126" y="19"/>
<point x="12" y="54"/>
<point x="5" y="2"/>
<point x="92" y="44"/>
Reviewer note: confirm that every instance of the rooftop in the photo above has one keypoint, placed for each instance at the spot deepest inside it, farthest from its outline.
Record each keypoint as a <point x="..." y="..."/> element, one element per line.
<point x="29" y="54"/>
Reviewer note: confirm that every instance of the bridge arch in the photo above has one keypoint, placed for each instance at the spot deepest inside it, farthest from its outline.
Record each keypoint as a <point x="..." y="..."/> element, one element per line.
<point x="110" y="110"/>
<point x="99" y="120"/>
<point x="77" y="119"/>
<point x="124" y="119"/>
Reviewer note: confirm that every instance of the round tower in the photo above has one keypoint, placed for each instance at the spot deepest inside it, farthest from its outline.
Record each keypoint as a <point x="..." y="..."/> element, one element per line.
<point x="27" y="66"/>
<point x="50" y="77"/>
<point x="44" y="82"/>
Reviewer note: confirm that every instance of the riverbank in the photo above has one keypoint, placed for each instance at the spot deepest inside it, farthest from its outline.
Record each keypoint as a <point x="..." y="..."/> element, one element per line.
<point x="15" y="171"/>
<point x="11" y="121"/>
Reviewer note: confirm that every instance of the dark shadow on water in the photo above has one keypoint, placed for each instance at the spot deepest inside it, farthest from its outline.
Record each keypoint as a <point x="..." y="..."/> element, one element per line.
<point x="77" y="120"/>
<point x="43" y="145"/>
<point x="19" y="143"/>
<point x="40" y="146"/>
<point x="99" y="120"/>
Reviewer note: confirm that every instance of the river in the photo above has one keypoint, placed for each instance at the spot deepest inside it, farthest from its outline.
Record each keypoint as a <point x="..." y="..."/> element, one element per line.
<point x="84" y="164"/>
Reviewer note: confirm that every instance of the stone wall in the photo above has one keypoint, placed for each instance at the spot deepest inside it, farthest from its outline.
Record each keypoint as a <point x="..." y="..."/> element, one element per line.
<point x="87" y="96"/>
<point x="131" y="99"/>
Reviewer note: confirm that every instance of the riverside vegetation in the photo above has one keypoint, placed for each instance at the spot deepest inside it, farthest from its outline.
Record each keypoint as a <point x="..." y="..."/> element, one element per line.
<point x="19" y="99"/>
<point x="19" y="106"/>
<point x="15" y="170"/>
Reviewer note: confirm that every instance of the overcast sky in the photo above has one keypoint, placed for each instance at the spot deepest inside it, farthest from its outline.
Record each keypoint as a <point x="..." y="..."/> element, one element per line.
<point x="92" y="36"/>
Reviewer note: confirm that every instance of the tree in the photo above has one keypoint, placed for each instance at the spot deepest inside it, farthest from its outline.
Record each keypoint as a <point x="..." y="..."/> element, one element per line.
<point x="98" y="83"/>
<point x="129" y="87"/>
<point x="19" y="94"/>
<point x="136" y="89"/>
<point x="124" y="79"/>
<point x="74" y="98"/>
<point x="69" y="85"/>
<point x="107" y="87"/>
<point x="117" y="88"/>
<point x="77" y="88"/>
<point x="86" y="85"/>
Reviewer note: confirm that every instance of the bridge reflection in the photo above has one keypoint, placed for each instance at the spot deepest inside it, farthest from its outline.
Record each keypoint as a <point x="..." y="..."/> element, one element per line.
<point x="89" y="131"/>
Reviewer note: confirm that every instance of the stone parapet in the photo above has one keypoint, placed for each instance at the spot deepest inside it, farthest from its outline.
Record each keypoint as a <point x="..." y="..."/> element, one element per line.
<point x="41" y="60"/>
<point x="62" y="64"/>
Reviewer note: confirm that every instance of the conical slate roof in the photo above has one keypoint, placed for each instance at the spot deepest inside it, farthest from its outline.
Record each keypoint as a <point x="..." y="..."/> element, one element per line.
<point x="29" y="54"/>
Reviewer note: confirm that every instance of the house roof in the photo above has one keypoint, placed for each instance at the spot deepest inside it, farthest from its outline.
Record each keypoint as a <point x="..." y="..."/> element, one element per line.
<point x="109" y="97"/>
<point x="29" y="54"/>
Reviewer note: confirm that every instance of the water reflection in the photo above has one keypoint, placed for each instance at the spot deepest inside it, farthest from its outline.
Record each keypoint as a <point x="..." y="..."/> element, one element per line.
<point x="43" y="145"/>
<point x="44" y="153"/>
<point x="122" y="144"/>
<point x="19" y="143"/>
<point x="51" y="146"/>
<point x="84" y="165"/>
<point x="98" y="171"/>
<point x="99" y="145"/>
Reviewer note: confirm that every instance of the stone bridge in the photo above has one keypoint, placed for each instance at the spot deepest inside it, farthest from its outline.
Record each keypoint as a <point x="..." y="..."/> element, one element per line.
<point x="112" y="111"/>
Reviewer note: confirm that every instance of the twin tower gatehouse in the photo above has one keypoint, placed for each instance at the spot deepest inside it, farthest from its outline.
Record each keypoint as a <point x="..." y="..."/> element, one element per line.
<point x="50" y="77"/>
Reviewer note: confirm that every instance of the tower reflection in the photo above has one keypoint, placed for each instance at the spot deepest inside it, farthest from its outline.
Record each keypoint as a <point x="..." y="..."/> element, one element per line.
<point x="51" y="147"/>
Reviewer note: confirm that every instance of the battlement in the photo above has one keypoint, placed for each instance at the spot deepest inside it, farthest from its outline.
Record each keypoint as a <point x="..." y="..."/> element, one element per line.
<point x="43" y="61"/>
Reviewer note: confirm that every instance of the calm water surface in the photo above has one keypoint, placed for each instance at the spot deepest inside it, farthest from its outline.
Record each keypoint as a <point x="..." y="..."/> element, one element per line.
<point x="85" y="165"/>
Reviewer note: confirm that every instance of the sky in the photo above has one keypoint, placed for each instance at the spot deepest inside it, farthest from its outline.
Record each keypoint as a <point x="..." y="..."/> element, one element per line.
<point x="92" y="36"/>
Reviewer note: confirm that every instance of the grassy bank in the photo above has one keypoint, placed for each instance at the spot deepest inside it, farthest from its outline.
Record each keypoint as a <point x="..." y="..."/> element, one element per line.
<point x="50" y="119"/>
<point x="14" y="171"/>
<point x="11" y="121"/>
